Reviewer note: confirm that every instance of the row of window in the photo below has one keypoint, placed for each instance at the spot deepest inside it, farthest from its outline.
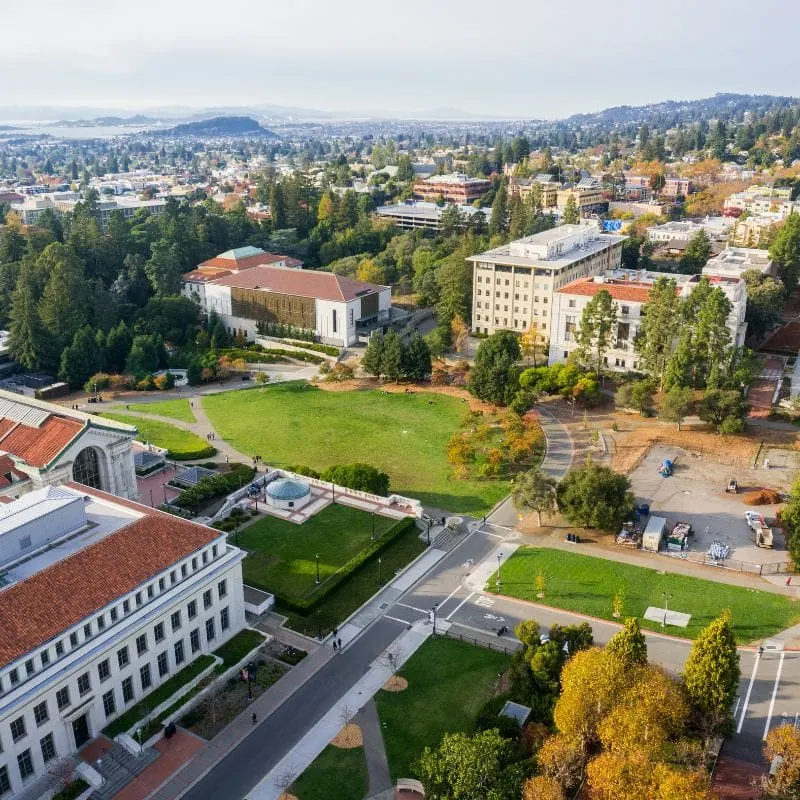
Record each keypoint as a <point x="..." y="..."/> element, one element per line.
<point x="41" y="713"/>
<point x="516" y="297"/>
<point x="25" y="762"/>
<point x="518" y="283"/>
<point x="488" y="306"/>
<point x="102" y="621"/>
<point x="518" y="323"/>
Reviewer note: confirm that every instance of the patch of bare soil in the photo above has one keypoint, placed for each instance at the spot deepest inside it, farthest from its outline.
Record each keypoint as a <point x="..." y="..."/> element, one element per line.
<point x="395" y="684"/>
<point x="761" y="497"/>
<point x="348" y="737"/>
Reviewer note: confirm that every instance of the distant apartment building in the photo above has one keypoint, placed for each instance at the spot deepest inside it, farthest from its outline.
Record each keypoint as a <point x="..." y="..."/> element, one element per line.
<point x="419" y="214"/>
<point x="513" y="285"/>
<point x="682" y="231"/>
<point x="588" y="199"/>
<point x="754" y="231"/>
<point x="641" y="186"/>
<point x="677" y="187"/>
<point x="757" y="200"/>
<point x="336" y="309"/>
<point x="456" y="188"/>
<point x="733" y="262"/>
<point x="547" y="185"/>
<point x="630" y="290"/>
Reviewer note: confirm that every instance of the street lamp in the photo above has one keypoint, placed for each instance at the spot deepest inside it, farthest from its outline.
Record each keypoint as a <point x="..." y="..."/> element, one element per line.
<point x="316" y="557"/>
<point x="379" y="572"/>
<point x="499" y="562"/>
<point x="433" y="618"/>
<point x="667" y="598"/>
<point x="372" y="538"/>
<point x="151" y="499"/>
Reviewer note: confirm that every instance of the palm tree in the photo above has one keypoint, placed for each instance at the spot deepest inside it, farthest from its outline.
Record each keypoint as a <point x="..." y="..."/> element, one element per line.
<point x="535" y="490"/>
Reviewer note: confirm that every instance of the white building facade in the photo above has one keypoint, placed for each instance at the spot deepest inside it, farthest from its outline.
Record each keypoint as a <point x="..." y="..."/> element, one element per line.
<point x="78" y="650"/>
<point x="514" y="285"/>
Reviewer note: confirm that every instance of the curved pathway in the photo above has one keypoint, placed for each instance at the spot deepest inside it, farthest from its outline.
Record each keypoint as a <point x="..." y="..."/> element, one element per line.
<point x="558" y="456"/>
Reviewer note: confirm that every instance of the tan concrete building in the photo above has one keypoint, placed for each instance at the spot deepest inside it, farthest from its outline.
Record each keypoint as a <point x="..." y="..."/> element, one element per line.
<point x="513" y="285"/>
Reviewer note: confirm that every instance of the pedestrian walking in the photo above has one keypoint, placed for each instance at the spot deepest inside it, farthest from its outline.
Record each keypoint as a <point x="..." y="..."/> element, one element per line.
<point x="334" y="645"/>
<point x="339" y="641"/>
<point x="789" y="581"/>
<point x="255" y="718"/>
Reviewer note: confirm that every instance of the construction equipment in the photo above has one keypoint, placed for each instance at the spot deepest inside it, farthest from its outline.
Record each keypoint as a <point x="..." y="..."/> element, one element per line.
<point x="763" y="536"/>
<point x="732" y="487"/>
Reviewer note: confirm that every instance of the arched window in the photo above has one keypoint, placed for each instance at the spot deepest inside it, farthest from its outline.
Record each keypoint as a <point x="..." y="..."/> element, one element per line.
<point x="86" y="468"/>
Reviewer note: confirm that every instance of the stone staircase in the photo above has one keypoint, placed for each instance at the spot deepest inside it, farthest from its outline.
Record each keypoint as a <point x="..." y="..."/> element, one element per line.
<point x="119" y="768"/>
<point x="447" y="539"/>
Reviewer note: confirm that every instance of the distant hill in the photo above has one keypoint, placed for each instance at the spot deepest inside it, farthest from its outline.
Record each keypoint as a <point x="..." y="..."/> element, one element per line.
<point x="220" y="126"/>
<point x="103" y="122"/>
<point x="722" y="105"/>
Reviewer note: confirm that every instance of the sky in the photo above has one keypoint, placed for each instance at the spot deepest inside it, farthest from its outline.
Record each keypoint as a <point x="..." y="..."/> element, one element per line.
<point x="512" y="58"/>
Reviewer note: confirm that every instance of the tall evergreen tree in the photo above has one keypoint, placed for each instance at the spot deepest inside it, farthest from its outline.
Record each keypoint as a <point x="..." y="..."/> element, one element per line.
<point x="81" y="359"/>
<point x="785" y="251"/>
<point x="28" y="337"/>
<point x="629" y="644"/>
<point x="571" y="215"/>
<point x="596" y="329"/>
<point x="118" y="345"/>
<point x="163" y="268"/>
<point x="697" y="252"/>
<point x="392" y="356"/>
<point x="373" y="355"/>
<point x="658" y="328"/>
<point x="494" y="376"/>
<point x="417" y="361"/>
<point x="499" y="219"/>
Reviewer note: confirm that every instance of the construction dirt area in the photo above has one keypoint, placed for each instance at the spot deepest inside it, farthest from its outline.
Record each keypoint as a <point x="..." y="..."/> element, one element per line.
<point x="695" y="493"/>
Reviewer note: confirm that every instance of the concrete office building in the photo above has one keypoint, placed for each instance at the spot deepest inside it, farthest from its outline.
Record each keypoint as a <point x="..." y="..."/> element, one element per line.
<point x="513" y="285"/>
<point x="102" y="601"/>
<point x="454" y="188"/>
<point x="419" y="214"/>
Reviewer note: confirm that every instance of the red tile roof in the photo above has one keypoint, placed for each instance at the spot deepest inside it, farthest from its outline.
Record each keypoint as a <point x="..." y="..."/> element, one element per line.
<point x="300" y="282"/>
<point x="204" y="275"/>
<point x="37" y="609"/>
<point x="249" y="261"/>
<point x="38" y="446"/>
<point x="7" y="468"/>
<point x="619" y="290"/>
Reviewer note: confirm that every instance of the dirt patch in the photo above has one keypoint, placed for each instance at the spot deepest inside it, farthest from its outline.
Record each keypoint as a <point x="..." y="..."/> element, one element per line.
<point x="348" y="737"/>
<point x="395" y="684"/>
<point x="761" y="497"/>
<point x="288" y="796"/>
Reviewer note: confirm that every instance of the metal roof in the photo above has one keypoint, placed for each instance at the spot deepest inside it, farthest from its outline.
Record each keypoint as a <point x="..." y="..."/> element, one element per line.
<point x="35" y="505"/>
<point x="193" y="476"/>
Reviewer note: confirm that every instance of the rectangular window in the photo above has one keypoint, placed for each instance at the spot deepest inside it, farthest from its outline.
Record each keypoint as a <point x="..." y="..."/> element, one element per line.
<point x="126" y="606"/>
<point x="222" y="589"/>
<point x="84" y="684"/>
<point x="334" y="320"/>
<point x="45" y="658"/>
<point x="184" y="571"/>
<point x="625" y="310"/>
<point x="123" y="659"/>
<point x="25" y="764"/>
<point x="205" y="556"/>
<point x="207" y="598"/>
<point x="194" y="640"/>
<point x="141" y="644"/>
<point x="5" y="782"/>
<point x="180" y="657"/>
<point x="59" y="648"/>
<point x="41" y="714"/>
<point x="109" y="703"/>
<point x="163" y="665"/>
<point x="173" y="577"/>
<point x="158" y="632"/>
<point x="127" y="690"/>
<point x="87" y="630"/>
<point x="145" y="677"/>
<point x="101" y="622"/>
<point x="113" y="614"/>
<point x="62" y="698"/>
<point x="13" y="676"/>
<point x="194" y="563"/>
<point x="104" y="670"/>
<point x="73" y="639"/>
<point x="138" y="598"/>
<point x="162" y="584"/>
<point x="17" y="728"/>
<point x="48" y="748"/>
<point x="224" y="619"/>
<point x="175" y="620"/>
<point x="210" y="634"/>
<point x="150" y="592"/>
<point x="192" y="609"/>
<point x="214" y="551"/>
<point x="29" y="669"/>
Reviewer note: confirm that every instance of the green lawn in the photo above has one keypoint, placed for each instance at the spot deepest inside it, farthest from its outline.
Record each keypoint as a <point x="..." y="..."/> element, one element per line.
<point x="294" y="423"/>
<point x="357" y="589"/>
<point x="448" y="682"/>
<point x="237" y="647"/>
<point x="181" y="445"/>
<point x="588" y="585"/>
<point x="281" y="554"/>
<point x="174" y="409"/>
<point x="335" y="774"/>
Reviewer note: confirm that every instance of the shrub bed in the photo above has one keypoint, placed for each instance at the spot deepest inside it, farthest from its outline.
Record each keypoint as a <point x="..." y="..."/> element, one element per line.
<point x="270" y="356"/>
<point x="215" y="486"/>
<point x="237" y="647"/>
<point x="72" y="790"/>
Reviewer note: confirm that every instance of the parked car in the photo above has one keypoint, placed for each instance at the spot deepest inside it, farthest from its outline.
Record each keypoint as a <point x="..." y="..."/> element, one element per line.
<point x="754" y="519"/>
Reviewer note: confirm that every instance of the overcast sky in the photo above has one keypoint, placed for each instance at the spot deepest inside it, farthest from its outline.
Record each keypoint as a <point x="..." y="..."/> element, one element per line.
<point x="519" y="58"/>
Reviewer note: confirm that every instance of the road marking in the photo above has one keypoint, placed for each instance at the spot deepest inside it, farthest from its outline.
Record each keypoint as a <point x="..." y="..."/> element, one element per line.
<point x="459" y="605"/>
<point x="468" y="563"/>
<point x="736" y="708"/>
<point x="457" y="589"/>
<point x="413" y="608"/>
<point x="485" y="602"/>
<point x="396" y="619"/>
<point x="494" y="618"/>
<point x="747" y="696"/>
<point x="774" y="692"/>
<point x="496" y="535"/>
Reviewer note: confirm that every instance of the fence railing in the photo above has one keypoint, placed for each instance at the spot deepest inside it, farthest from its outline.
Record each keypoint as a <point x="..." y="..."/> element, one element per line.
<point x="736" y="565"/>
<point x="498" y="646"/>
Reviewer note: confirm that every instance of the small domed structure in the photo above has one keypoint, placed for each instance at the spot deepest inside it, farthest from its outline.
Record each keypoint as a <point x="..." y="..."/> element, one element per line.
<point x="288" y="493"/>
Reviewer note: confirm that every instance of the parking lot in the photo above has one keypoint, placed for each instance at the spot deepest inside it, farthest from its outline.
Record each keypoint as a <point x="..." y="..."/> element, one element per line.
<point x="695" y="493"/>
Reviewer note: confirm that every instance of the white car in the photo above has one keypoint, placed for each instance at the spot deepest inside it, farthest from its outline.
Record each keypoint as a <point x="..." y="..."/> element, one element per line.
<point x="754" y="518"/>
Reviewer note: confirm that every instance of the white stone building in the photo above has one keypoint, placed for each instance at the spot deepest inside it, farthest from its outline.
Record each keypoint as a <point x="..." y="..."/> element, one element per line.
<point x="111" y="600"/>
<point x="514" y="285"/>
<point x="45" y="444"/>
<point x="682" y="231"/>
<point x="630" y="291"/>
<point x="733" y="262"/>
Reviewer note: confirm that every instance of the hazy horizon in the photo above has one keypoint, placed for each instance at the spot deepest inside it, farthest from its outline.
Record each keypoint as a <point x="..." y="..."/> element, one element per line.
<point x="354" y="57"/>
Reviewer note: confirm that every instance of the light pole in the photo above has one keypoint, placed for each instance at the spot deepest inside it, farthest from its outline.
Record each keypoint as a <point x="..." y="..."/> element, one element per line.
<point x="372" y="538"/>
<point x="433" y="618"/>
<point x="151" y="499"/>
<point x="499" y="562"/>
<point x="667" y="598"/>
<point x="316" y="557"/>
<point x="379" y="572"/>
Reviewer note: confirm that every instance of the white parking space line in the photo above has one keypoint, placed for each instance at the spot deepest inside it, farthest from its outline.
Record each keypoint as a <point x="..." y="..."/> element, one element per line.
<point x="749" y="690"/>
<point x="459" y="605"/>
<point x="413" y="608"/>
<point x="457" y="589"/>
<point x="495" y="535"/>
<point x="774" y="692"/>
<point x="397" y="619"/>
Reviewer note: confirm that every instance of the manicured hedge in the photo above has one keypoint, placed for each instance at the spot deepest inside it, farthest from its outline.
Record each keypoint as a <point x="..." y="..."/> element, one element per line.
<point x="366" y="555"/>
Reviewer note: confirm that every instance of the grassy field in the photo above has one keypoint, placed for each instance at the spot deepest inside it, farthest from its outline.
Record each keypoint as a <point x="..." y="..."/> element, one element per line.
<point x="448" y="682"/>
<point x="281" y="554"/>
<point x="401" y="434"/>
<point x="588" y="585"/>
<point x="182" y="445"/>
<point x="174" y="409"/>
<point x="335" y="774"/>
<point x="357" y="589"/>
